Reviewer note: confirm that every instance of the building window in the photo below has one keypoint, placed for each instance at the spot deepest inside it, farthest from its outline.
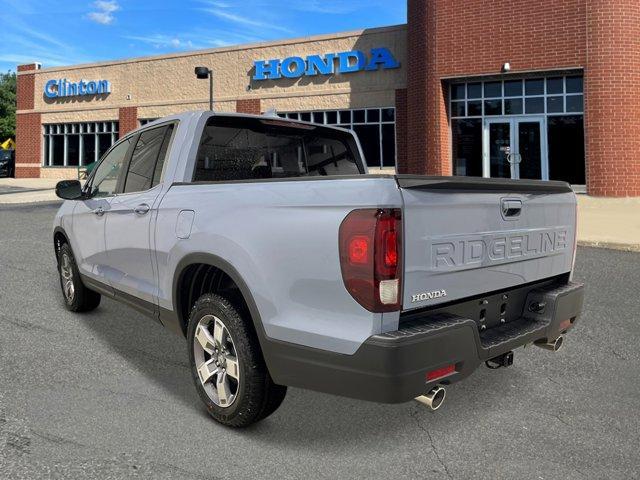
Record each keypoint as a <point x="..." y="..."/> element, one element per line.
<point x="375" y="127"/>
<point x="566" y="148"/>
<point x="77" y="144"/>
<point x="143" y="121"/>
<point x="467" y="147"/>
<point x="479" y="108"/>
<point x="549" y="95"/>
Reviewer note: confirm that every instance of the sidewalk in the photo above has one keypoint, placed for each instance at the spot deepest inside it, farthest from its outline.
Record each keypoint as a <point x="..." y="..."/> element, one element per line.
<point x="27" y="190"/>
<point x="609" y="222"/>
<point x="602" y="222"/>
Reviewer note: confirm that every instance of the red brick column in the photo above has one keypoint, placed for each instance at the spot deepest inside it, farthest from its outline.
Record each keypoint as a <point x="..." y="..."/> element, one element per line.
<point x="612" y="98"/>
<point x="401" y="130"/>
<point x="248" y="105"/>
<point x="28" y="126"/>
<point x="438" y="151"/>
<point x="128" y="120"/>
<point x="415" y="160"/>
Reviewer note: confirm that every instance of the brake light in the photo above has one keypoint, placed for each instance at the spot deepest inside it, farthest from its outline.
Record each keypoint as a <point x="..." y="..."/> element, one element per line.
<point x="358" y="250"/>
<point x="370" y="257"/>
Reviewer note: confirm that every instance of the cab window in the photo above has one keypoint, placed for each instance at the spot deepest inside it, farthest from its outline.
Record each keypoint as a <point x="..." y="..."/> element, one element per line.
<point x="105" y="178"/>
<point x="236" y="148"/>
<point x="147" y="159"/>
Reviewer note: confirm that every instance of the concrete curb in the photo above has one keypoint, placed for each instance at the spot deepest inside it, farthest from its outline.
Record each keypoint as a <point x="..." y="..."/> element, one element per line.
<point x="17" y="205"/>
<point x="28" y="191"/>
<point x="625" y="247"/>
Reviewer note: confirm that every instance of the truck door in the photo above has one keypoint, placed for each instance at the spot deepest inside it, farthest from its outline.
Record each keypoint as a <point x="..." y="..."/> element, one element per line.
<point x="132" y="266"/>
<point x="88" y="221"/>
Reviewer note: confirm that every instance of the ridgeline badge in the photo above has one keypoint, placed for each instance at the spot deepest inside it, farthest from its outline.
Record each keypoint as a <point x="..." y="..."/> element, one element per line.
<point x="64" y="88"/>
<point x="328" y="64"/>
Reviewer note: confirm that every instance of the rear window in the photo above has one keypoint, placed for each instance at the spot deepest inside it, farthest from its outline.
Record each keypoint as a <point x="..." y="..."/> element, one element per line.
<point x="246" y="148"/>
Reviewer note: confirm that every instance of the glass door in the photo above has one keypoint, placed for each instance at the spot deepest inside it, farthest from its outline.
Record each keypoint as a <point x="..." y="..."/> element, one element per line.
<point x="515" y="148"/>
<point x="498" y="145"/>
<point x="530" y="159"/>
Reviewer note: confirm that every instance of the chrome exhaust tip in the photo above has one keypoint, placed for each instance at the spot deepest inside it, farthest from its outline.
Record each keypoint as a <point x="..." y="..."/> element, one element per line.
<point x="553" y="345"/>
<point x="434" y="399"/>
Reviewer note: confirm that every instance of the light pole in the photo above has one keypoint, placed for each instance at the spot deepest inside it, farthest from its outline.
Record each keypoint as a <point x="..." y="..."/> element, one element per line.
<point x="202" y="73"/>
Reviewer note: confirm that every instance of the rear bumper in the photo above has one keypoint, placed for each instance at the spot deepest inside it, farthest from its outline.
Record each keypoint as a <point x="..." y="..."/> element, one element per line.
<point x="392" y="367"/>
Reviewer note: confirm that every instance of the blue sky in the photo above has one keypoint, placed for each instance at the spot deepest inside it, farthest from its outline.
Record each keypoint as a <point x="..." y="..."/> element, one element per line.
<point x="71" y="32"/>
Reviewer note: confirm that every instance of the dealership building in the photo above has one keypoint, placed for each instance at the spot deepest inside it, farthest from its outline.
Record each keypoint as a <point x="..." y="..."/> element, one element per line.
<point x="510" y="88"/>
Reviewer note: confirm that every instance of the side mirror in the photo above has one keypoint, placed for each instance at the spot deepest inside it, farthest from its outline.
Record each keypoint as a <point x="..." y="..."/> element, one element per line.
<point x="69" y="190"/>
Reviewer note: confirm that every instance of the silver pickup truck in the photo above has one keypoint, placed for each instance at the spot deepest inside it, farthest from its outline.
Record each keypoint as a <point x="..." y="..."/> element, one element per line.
<point x="284" y="263"/>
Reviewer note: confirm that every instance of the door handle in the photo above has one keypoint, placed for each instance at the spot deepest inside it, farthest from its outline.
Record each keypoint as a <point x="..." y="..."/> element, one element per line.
<point x="99" y="211"/>
<point x="511" y="208"/>
<point x="141" y="209"/>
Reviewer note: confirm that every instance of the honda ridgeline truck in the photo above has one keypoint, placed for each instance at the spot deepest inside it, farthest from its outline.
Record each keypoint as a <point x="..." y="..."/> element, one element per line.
<point x="284" y="263"/>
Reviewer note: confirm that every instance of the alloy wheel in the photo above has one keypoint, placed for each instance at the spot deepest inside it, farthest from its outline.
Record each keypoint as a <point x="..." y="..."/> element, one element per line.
<point x="216" y="361"/>
<point x="66" y="272"/>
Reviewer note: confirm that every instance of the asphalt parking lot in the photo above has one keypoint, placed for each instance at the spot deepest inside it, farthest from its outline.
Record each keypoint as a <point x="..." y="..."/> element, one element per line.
<point x="108" y="395"/>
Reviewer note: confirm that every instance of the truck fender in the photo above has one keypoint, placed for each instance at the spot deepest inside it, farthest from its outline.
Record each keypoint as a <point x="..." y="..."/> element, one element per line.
<point x="227" y="268"/>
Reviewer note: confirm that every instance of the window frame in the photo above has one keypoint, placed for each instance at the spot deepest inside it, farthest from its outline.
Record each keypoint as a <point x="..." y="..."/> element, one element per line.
<point x="86" y="132"/>
<point x="350" y="141"/>
<point x="165" y="142"/>
<point x="545" y="95"/>
<point x="86" y="190"/>
<point x="296" y="115"/>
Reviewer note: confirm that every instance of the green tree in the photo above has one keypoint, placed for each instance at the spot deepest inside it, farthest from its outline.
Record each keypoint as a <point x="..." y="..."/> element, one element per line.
<point x="7" y="106"/>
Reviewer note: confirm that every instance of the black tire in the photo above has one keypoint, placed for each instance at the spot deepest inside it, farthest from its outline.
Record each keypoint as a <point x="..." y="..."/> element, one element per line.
<point x="82" y="299"/>
<point x="275" y="397"/>
<point x="256" y="396"/>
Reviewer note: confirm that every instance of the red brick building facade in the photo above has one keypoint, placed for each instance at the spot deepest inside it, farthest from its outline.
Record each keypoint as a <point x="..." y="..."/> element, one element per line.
<point x="489" y="81"/>
<point x="466" y="38"/>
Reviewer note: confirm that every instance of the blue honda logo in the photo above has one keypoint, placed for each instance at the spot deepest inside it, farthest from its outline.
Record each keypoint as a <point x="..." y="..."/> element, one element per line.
<point x="328" y="64"/>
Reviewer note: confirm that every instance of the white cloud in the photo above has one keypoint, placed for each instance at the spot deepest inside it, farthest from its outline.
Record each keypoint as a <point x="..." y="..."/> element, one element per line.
<point x="24" y="44"/>
<point x="246" y="21"/>
<point x="158" y="40"/>
<point x="215" y="3"/>
<point x="104" y="10"/>
<point x="327" y="6"/>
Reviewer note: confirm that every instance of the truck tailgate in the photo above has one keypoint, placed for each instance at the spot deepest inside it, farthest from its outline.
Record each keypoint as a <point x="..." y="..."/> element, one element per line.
<point x="465" y="237"/>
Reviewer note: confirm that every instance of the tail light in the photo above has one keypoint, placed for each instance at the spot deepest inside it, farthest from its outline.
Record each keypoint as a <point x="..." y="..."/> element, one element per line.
<point x="370" y="257"/>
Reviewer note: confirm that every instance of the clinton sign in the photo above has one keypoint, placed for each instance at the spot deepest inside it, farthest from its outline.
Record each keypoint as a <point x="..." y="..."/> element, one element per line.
<point x="64" y="88"/>
<point x="327" y="64"/>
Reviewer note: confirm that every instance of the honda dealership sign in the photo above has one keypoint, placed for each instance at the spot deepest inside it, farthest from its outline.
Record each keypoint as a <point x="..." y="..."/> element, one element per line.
<point x="328" y="64"/>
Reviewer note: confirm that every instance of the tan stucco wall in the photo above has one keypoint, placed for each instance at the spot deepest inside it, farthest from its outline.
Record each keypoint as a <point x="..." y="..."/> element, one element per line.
<point x="99" y="115"/>
<point x="164" y="85"/>
<point x="59" y="173"/>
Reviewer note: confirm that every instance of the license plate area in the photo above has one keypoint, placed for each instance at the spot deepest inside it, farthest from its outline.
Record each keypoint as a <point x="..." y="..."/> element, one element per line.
<point x="490" y="310"/>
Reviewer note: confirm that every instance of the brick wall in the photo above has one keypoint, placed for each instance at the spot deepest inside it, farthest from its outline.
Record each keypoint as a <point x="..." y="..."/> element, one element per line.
<point x="248" y="105"/>
<point x="128" y="120"/>
<point x="28" y="126"/>
<point x="417" y="90"/>
<point x="402" y="136"/>
<point x="612" y="98"/>
<point x="473" y="37"/>
<point x="25" y="89"/>
<point x="28" y="145"/>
